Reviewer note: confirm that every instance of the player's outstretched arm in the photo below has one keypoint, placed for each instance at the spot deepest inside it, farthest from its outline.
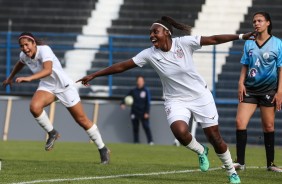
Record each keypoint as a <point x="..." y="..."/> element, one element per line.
<point x="18" y="66"/>
<point x="218" y="39"/>
<point x="115" y="68"/>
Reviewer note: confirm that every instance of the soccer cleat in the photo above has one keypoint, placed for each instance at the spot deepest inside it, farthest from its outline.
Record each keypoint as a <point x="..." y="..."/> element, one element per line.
<point x="274" y="168"/>
<point x="52" y="137"/>
<point x="237" y="166"/>
<point x="105" y="155"/>
<point x="234" y="178"/>
<point x="203" y="160"/>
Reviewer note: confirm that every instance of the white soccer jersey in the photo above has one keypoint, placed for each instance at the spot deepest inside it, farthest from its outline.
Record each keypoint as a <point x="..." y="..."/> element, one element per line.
<point x="58" y="81"/>
<point x="176" y="68"/>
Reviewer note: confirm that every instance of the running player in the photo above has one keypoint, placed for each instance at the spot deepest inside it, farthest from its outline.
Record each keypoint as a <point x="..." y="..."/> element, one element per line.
<point x="260" y="85"/>
<point x="53" y="83"/>
<point x="185" y="91"/>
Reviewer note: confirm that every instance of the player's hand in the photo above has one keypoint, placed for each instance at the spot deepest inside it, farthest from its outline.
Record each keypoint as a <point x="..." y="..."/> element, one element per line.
<point x="278" y="100"/>
<point x="84" y="81"/>
<point x="7" y="82"/>
<point x="241" y="92"/>
<point x="23" y="79"/>
<point x="250" y="35"/>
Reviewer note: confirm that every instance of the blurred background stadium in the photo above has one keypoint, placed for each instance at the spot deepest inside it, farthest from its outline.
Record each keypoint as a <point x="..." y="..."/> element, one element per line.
<point x="88" y="35"/>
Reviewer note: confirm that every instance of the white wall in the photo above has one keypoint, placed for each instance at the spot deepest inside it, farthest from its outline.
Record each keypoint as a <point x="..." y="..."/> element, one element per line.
<point x="94" y="34"/>
<point x="217" y="17"/>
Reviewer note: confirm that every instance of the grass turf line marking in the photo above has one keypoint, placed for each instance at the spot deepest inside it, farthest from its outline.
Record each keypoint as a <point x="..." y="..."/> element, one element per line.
<point x="123" y="175"/>
<point x="114" y="176"/>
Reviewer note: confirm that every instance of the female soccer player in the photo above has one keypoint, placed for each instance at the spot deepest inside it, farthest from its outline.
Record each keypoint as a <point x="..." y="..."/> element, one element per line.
<point x="53" y="83"/>
<point x="185" y="91"/>
<point x="260" y="85"/>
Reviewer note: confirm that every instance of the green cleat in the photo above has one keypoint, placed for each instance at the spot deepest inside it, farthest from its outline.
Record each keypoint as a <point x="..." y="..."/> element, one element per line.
<point x="234" y="178"/>
<point x="203" y="160"/>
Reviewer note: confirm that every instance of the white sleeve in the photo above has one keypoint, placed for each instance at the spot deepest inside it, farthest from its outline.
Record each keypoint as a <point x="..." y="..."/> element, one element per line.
<point x="46" y="54"/>
<point x="142" y="58"/>
<point x="22" y="58"/>
<point x="193" y="41"/>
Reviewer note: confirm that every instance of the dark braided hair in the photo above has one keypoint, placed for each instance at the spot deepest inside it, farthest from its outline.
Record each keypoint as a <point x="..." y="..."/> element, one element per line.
<point x="170" y="23"/>
<point x="267" y="18"/>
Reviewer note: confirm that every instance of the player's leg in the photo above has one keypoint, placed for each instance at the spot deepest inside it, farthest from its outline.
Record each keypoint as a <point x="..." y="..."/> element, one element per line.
<point x="268" y="117"/>
<point x="213" y="135"/>
<point x="41" y="99"/>
<point x="135" y="128"/>
<point x="91" y="129"/>
<point x="244" y="113"/>
<point x="147" y="129"/>
<point x="181" y="132"/>
<point x="205" y="112"/>
<point x="178" y="116"/>
<point x="70" y="98"/>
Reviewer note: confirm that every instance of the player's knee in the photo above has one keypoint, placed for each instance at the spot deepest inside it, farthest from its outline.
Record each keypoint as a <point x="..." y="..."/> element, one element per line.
<point x="240" y="124"/>
<point x="35" y="109"/>
<point x="268" y="127"/>
<point x="183" y="137"/>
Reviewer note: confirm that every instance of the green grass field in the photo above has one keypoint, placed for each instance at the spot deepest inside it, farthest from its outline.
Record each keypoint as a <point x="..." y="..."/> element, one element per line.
<point x="27" y="162"/>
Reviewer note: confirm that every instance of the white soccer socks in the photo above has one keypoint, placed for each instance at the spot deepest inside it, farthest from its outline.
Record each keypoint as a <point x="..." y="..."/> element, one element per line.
<point x="44" y="122"/>
<point x="195" y="146"/>
<point x="227" y="162"/>
<point x="95" y="136"/>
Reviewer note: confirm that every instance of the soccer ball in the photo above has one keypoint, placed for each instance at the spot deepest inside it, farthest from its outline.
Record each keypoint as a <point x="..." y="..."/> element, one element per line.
<point x="128" y="100"/>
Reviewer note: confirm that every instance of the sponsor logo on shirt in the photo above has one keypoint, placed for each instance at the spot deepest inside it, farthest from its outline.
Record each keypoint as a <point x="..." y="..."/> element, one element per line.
<point x="159" y="59"/>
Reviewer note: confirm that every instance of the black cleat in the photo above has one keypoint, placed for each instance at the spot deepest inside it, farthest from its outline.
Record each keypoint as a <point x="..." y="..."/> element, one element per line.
<point x="105" y="155"/>
<point x="52" y="137"/>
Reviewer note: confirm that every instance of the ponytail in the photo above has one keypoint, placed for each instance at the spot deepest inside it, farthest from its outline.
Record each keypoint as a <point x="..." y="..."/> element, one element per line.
<point x="183" y="27"/>
<point x="168" y="23"/>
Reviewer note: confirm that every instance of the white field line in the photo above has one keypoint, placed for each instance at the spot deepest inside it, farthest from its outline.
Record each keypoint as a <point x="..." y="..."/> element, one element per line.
<point x="123" y="175"/>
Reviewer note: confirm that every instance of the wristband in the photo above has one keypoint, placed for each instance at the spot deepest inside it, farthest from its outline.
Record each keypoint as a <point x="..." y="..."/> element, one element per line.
<point x="241" y="36"/>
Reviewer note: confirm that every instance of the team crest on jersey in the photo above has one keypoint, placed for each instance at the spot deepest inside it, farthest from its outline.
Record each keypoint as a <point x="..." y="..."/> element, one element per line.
<point x="253" y="72"/>
<point x="143" y="94"/>
<point x="265" y="55"/>
<point x="179" y="52"/>
<point x="250" y="53"/>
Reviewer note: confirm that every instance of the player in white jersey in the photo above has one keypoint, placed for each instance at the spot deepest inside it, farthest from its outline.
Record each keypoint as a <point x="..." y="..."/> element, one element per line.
<point x="54" y="83"/>
<point x="185" y="91"/>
